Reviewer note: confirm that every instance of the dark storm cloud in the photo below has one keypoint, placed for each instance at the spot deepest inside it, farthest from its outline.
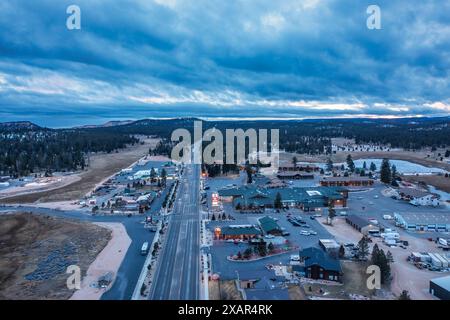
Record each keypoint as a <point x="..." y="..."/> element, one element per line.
<point x="207" y="58"/>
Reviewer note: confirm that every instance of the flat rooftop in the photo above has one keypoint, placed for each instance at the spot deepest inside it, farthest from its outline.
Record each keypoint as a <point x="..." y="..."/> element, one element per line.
<point x="426" y="218"/>
<point x="443" y="282"/>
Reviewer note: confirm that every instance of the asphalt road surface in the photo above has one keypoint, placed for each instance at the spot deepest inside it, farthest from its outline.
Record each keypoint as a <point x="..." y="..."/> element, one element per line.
<point x="178" y="270"/>
<point x="131" y="266"/>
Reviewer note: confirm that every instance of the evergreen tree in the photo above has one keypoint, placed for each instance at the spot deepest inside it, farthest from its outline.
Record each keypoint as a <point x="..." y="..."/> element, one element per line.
<point x="329" y="164"/>
<point x="262" y="248"/>
<point x="248" y="170"/>
<point x="278" y="204"/>
<point x="341" y="252"/>
<point x="247" y="253"/>
<point x="404" y="295"/>
<point x="365" y="165"/>
<point x="271" y="247"/>
<point x="363" y="248"/>
<point x="375" y="255"/>
<point x="390" y="257"/>
<point x="164" y="177"/>
<point x="350" y="163"/>
<point x="394" y="176"/>
<point x="331" y="212"/>
<point x="385" y="173"/>
<point x="294" y="162"/>
<point x="152" y="175"/>
<point x="373" y="167"/>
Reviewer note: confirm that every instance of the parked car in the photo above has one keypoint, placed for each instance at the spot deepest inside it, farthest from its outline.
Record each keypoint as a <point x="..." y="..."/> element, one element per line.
<point x="305" y="233"/>
<point x="314" y="233"/>
<point x="312" y="218"/>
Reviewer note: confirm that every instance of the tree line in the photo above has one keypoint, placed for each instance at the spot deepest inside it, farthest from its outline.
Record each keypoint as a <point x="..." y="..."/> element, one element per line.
<point x="28" y="152"/>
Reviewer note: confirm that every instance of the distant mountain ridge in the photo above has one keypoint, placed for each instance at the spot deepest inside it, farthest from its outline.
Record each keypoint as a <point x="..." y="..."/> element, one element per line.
<point x="19" y="126"/>
<point x="107" y="124"/>
<point x="30" y="126"/>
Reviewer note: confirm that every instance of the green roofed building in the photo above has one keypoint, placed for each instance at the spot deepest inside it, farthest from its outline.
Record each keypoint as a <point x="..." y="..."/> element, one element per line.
<point x="269" y="226"/>
<point x="242" y="232"/>
<point x="307" y="199"/>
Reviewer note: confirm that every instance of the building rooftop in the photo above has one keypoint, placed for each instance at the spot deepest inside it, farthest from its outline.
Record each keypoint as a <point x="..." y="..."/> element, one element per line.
<point x="240" y="229"/>
<point x="414" y="193"/>
<point x="342" y="178"/>
<point x="425" y="218"/>
<point x="443" y="282"/>
<point x="359" y="221"/>
<point x="262" y="196"/>
<point x="268" y="224"/>
<point x="315" y="256"/>
<point x="329" y="243"/>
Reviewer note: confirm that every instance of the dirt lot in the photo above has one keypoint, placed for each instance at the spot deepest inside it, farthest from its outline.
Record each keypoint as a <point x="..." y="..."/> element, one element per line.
<point x="102" y="166"/>
<point x="354" y="282"/>
<point x="405" y="275"/>
<point x="343" y="232"/>
<point x="440" y="182"/>
<point x="296" y="293"/>
<point x="35" y="252"/>
<point x="228" y="290"/>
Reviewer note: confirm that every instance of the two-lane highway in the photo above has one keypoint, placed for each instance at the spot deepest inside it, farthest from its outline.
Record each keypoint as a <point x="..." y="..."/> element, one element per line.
<point x="178" y="269"/>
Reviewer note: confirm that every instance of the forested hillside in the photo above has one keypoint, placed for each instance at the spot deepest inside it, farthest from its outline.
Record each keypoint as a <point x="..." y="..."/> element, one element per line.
<point x="26" y="148"/>
<point x="30" y="149"/>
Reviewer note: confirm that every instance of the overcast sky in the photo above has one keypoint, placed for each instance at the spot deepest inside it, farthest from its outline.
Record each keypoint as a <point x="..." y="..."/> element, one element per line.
<point x="216" y="58"/>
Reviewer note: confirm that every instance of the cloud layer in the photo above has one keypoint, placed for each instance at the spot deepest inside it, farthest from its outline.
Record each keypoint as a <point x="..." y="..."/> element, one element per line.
<point x="251" y="58"/>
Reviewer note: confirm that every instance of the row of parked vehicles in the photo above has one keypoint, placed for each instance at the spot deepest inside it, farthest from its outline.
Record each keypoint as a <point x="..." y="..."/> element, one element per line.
<point x="299" y="222"/>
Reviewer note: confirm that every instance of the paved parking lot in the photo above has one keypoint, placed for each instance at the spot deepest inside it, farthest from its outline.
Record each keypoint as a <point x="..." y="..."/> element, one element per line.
<point x="373" y="204"/>
<point x="370" y="203"/>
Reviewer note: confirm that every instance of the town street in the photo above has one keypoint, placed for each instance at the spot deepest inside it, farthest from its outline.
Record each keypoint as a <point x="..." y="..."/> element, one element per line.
<point x="177" y="274"/>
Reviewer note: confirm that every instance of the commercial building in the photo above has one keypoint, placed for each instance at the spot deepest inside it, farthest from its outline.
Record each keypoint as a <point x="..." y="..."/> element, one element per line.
<point x="432" y="221"/>
<point x="351" y="181"/>
<point x="269" y="226"/>
<point x="329" y="245"/>
<point x="283" y="167"/>
<point x="418" y="197"/>
<point x="307" y="199"/>
<point x="440" y="288"/>
<point x="237" y="232"/>
<point x="295" y="175"/>
<point x="362" y="224"/>
<point x="318" y="265"/>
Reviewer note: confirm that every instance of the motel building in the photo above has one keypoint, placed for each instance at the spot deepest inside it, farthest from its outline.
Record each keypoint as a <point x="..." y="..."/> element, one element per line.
<point x="285" y="167"/>
<point x="236" y="232"/>
<point x="346" y="182"/>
